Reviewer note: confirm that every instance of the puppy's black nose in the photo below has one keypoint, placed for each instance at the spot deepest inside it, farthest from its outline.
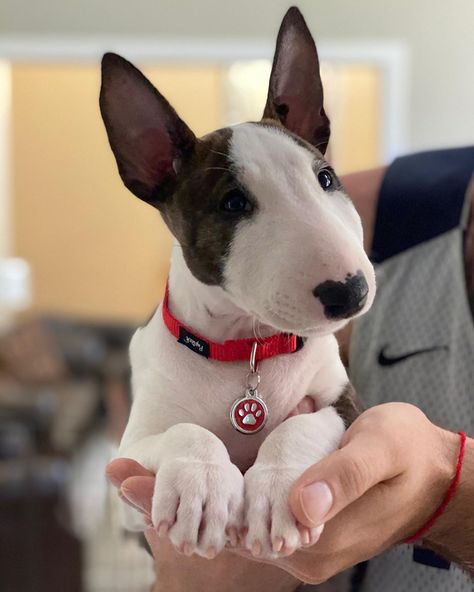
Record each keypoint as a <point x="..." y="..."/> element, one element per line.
<point x="342" y="300"/>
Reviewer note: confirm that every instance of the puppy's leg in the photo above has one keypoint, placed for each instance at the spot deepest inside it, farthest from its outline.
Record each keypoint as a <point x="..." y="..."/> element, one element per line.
<point x="198" y="495"/>
<point x="286" y="453"/>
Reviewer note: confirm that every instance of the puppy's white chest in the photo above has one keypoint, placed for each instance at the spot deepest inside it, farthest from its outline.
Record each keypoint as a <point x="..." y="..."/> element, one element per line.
<point x="182" y="386"/>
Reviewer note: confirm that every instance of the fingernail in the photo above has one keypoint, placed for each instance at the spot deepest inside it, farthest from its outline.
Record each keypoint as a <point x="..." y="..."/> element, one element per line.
<point x="128" y="501"/>
<point x="316" y="501"/>
<point x="115" y="481"/>
<point x="132" y="498"/>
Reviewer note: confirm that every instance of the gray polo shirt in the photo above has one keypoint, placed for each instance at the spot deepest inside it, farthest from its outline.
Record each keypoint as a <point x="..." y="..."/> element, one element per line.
<point x="416" y="344"/>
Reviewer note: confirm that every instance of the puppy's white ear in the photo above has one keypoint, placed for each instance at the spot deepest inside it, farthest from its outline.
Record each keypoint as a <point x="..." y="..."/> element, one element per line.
<point x="295" y="94"/>
<point x="145" y="133"/>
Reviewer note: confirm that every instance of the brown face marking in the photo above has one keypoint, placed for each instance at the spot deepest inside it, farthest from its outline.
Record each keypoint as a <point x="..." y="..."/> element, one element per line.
<point x="161" y="162"/>
<point x="193" y="212"/>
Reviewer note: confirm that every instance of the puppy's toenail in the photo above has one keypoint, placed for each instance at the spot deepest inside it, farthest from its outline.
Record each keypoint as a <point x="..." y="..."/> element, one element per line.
<point x="256" y="548"/>
<point x="187" y="549"/>
<point x="162" y="529"/>
<point x="315" y="533"/>
<point x="277" y="544"/>
<point x="211" y="553"/>
<point x="305" y="537"/>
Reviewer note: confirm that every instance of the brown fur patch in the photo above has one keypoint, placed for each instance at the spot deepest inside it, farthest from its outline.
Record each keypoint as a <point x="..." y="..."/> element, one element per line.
<point x="192" y="213"/>
<point x="348" y="405"/>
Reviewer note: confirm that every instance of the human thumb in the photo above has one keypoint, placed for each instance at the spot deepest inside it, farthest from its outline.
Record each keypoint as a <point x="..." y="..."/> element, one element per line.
<point x="327" y="487"/>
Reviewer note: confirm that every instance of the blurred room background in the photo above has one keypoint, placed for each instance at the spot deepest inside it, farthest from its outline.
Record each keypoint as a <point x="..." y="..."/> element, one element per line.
<point x="82" y="262"/>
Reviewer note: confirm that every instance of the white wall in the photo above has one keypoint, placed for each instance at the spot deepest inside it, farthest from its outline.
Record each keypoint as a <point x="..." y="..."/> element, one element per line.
<point x="438" y="34"/>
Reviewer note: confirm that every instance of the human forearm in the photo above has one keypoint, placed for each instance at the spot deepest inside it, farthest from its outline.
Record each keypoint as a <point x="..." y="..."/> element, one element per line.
<point x="453" y="534"/>
<point x="363" y="187"/>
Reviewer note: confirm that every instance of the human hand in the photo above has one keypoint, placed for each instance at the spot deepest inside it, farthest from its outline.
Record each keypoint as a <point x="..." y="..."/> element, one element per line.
<point x="177" y="573"/>
<point x="390" y="474"/>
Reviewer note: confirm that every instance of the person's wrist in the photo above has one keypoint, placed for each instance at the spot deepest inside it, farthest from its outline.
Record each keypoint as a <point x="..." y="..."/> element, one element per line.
<point x="448" y="456"/>
<point x="442" y="466"/>
<point x="444" y="525"/>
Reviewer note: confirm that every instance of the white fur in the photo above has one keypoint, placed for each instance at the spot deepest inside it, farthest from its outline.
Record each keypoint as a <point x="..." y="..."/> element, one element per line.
<point x="179" y="424"/>
<point x="300" y="236"/>
<point x="269" y="480"/>
<point x="179" y="420"/>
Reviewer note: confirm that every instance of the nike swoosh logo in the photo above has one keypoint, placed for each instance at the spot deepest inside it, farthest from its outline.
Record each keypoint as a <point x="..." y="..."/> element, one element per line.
<point x="386" y="360"/>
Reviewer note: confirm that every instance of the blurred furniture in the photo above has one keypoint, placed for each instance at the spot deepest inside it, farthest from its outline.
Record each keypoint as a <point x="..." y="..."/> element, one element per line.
<point x="56" y="376"/>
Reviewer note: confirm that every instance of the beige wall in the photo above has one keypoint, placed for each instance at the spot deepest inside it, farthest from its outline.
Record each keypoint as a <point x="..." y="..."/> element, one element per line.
<point x="351" y="98"/>
<point x="94" y="249"/>
<point x="352" y="95"/>
<point x="438" y="34"/>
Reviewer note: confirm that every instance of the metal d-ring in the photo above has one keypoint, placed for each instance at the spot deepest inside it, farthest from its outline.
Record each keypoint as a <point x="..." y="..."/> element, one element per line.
<point x="253" y="355"/>
<point x="253" y="377"/>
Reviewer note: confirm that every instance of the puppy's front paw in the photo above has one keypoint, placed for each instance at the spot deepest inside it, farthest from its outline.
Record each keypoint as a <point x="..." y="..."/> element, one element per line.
<point x="285" y="454"/>
<point x="198" y="505"/>
<point x="271" y="529"/>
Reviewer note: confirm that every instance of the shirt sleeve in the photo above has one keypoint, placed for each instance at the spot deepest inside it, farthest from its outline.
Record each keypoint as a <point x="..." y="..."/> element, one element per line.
<point x="421" y="197"/>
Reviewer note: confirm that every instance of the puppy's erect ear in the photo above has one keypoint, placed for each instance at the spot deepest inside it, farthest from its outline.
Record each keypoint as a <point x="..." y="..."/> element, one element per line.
<point x="146" y="135"/>
<point x="295" y="94"/>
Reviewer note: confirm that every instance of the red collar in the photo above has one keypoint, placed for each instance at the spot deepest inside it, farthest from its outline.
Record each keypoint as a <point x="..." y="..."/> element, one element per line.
<point x="232" y="350"/>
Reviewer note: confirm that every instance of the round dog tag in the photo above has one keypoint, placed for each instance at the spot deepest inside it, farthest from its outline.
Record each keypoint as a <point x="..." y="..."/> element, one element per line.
<point x="249" y="414"/>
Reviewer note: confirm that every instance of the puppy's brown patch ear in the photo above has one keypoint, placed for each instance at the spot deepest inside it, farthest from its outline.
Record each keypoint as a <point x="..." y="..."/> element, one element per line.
<point x="146" y="135"/>
<point x="295" y="94"/>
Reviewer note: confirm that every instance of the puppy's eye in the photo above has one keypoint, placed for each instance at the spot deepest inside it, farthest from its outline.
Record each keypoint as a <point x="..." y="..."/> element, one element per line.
<point x="325" y="179"/>
<point x="235" y="202"/>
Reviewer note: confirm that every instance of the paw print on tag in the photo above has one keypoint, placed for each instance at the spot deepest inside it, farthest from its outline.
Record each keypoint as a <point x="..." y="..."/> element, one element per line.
<point x="248" y="414"/>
